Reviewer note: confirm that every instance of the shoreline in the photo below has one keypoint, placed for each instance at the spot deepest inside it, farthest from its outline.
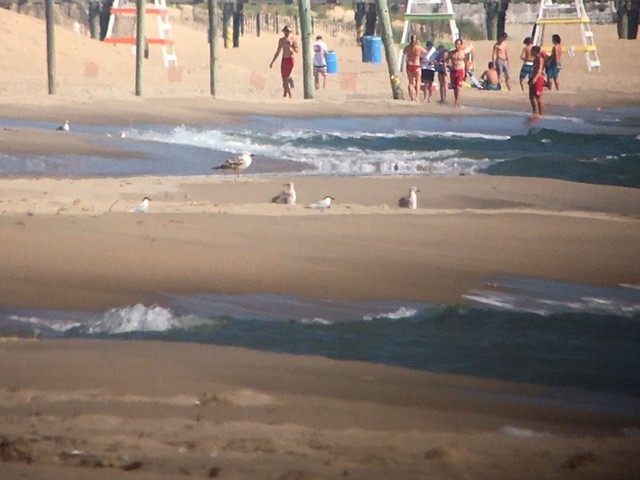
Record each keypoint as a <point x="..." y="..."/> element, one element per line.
<point x="204" y="110"/>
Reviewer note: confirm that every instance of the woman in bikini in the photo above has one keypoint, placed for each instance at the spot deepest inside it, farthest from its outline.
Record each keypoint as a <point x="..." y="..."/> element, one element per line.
<point x="412" y="52"/>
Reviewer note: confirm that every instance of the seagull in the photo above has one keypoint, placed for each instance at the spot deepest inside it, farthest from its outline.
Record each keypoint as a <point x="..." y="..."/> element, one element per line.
<point x="286" y="197"/>
<point x="237" y="163"/>
<point x="143" y="207"/>
<point x="410" y="201"/>
<point x="323" y="204"/>
<point x="65" y="127"/>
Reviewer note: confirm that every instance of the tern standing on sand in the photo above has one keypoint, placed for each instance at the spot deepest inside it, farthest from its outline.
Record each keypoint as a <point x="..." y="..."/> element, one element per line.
<point x="143" y="207"/>
<point x="237" y="163"/>
<point x="410" y="201"/>
<point x="323" y="204"/>
<point x="287" y="196"/>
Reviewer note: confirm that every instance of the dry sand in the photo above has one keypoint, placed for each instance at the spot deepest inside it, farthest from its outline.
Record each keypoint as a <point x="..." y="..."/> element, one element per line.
<point x="85" y="409"/>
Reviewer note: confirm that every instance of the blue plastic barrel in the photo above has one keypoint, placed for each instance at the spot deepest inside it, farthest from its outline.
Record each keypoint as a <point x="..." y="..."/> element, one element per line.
<point x="332" y="62"/>
<point x="371" y="49"/>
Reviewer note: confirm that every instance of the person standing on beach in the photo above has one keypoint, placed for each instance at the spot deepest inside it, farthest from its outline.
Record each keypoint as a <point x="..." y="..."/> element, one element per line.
<point x="428" y="67"/>
<point x="553" y="64"/>
<point x="500" y="58"/>
<point x="458" y="61"/>
<point x="320" y="52"/>
<point x="537" y="82"/>
<point x="440" y="59"/>
<point x="288" y="45"/>
<point x="527" y="62"/>
<point x="412" y="52"/>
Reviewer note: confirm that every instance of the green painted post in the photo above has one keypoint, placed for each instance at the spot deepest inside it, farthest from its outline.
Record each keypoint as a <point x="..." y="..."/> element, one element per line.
<point x="51" y="47"/>
<point x="140" y="40"/>
<point x="304" y="7"/>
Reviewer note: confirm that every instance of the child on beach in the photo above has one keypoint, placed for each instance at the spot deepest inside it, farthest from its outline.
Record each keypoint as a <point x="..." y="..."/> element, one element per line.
<point x="527" y="62"/>
<point x="440" y="59"/>
<point x="500" y="58"/>
<point x="320" y="52"/>
<point x="489" y="77"/>
<point x="553" y="65"/>
<point x="427" y="59"/>
<point x="537" y="82"/>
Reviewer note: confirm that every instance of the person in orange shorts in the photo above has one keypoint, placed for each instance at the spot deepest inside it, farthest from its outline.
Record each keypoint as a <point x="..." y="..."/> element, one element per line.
<point x="537" y="83"/>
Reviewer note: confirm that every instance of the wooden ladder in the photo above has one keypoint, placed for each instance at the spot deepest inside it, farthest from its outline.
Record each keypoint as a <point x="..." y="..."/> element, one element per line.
<point x="164" y="38"/>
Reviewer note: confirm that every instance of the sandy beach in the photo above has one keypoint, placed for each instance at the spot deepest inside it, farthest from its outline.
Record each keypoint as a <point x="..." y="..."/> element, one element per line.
<point x="108" y="409"/>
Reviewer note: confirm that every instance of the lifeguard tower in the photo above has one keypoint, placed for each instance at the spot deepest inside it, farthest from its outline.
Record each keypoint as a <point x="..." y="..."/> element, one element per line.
<point x="574" y="13"/>
<point x="426" y="11"/>
<point x="124" y="32"/>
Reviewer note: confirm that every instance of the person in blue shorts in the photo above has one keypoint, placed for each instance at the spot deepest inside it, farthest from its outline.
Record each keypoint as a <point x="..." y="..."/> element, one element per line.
<point x="526" y="72"/>
<point x="553" y="65"/>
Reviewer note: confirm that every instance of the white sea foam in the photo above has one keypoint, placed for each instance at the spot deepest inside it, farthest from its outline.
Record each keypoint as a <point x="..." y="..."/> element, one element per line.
<point x="316" y="321"/>
<point x="402" y="312"/>
<point x="523" y="432"/>
<point x="545" y="297"/>
<point x="326" y="159"/>
<point x="141" y="318"/>
<point x="38" y="323"/>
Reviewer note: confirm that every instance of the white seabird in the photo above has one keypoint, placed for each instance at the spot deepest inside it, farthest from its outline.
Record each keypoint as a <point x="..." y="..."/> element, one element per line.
<point x="411" y="200"/>
<point x="65" y="126"/>
<point x="323" y="204"/>
<point x="143" y="207"/>
<point x="237" y="163"/>
<point x="286" y="197"/>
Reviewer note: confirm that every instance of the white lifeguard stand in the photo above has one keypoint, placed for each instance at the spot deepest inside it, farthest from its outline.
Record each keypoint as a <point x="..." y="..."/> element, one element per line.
<point x="164" y="38"/>
<point x="551" y="13"/>
<point x="426" y="11"/>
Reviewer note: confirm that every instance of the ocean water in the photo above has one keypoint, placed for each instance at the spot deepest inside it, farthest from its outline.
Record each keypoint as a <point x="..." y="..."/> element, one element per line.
<point x="517" y="329"/>
<point x="601" y="147"/>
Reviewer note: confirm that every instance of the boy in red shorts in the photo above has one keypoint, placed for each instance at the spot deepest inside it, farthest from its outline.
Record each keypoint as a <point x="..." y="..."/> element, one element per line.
<point x="537" y="82"/>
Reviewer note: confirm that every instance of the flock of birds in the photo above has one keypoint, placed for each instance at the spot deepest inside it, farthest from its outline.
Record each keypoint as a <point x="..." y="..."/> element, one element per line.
<point x="287" y="196"/>
<point x="241" y="162"/>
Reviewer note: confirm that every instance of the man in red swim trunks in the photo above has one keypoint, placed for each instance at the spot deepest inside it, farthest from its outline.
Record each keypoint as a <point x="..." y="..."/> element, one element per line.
<point x="414" y="72"/>
<point x="458" y="74"/>
<point x="537" y="82"/>
<point x="288" y="45"/>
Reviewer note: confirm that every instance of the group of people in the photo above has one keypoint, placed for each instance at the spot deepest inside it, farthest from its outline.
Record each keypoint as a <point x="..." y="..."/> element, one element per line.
<point x="539" y="68"/>
<point x="288" y="46"/>
<point x="423" y="64"/>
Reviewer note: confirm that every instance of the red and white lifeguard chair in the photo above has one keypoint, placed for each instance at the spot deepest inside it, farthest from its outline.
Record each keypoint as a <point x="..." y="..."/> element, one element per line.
<point x="124" y="32"/>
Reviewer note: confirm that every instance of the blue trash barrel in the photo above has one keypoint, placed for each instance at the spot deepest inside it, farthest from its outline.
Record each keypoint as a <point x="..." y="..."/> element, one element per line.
<point x="371" y="49"/>
<point x="332" y="62"/>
